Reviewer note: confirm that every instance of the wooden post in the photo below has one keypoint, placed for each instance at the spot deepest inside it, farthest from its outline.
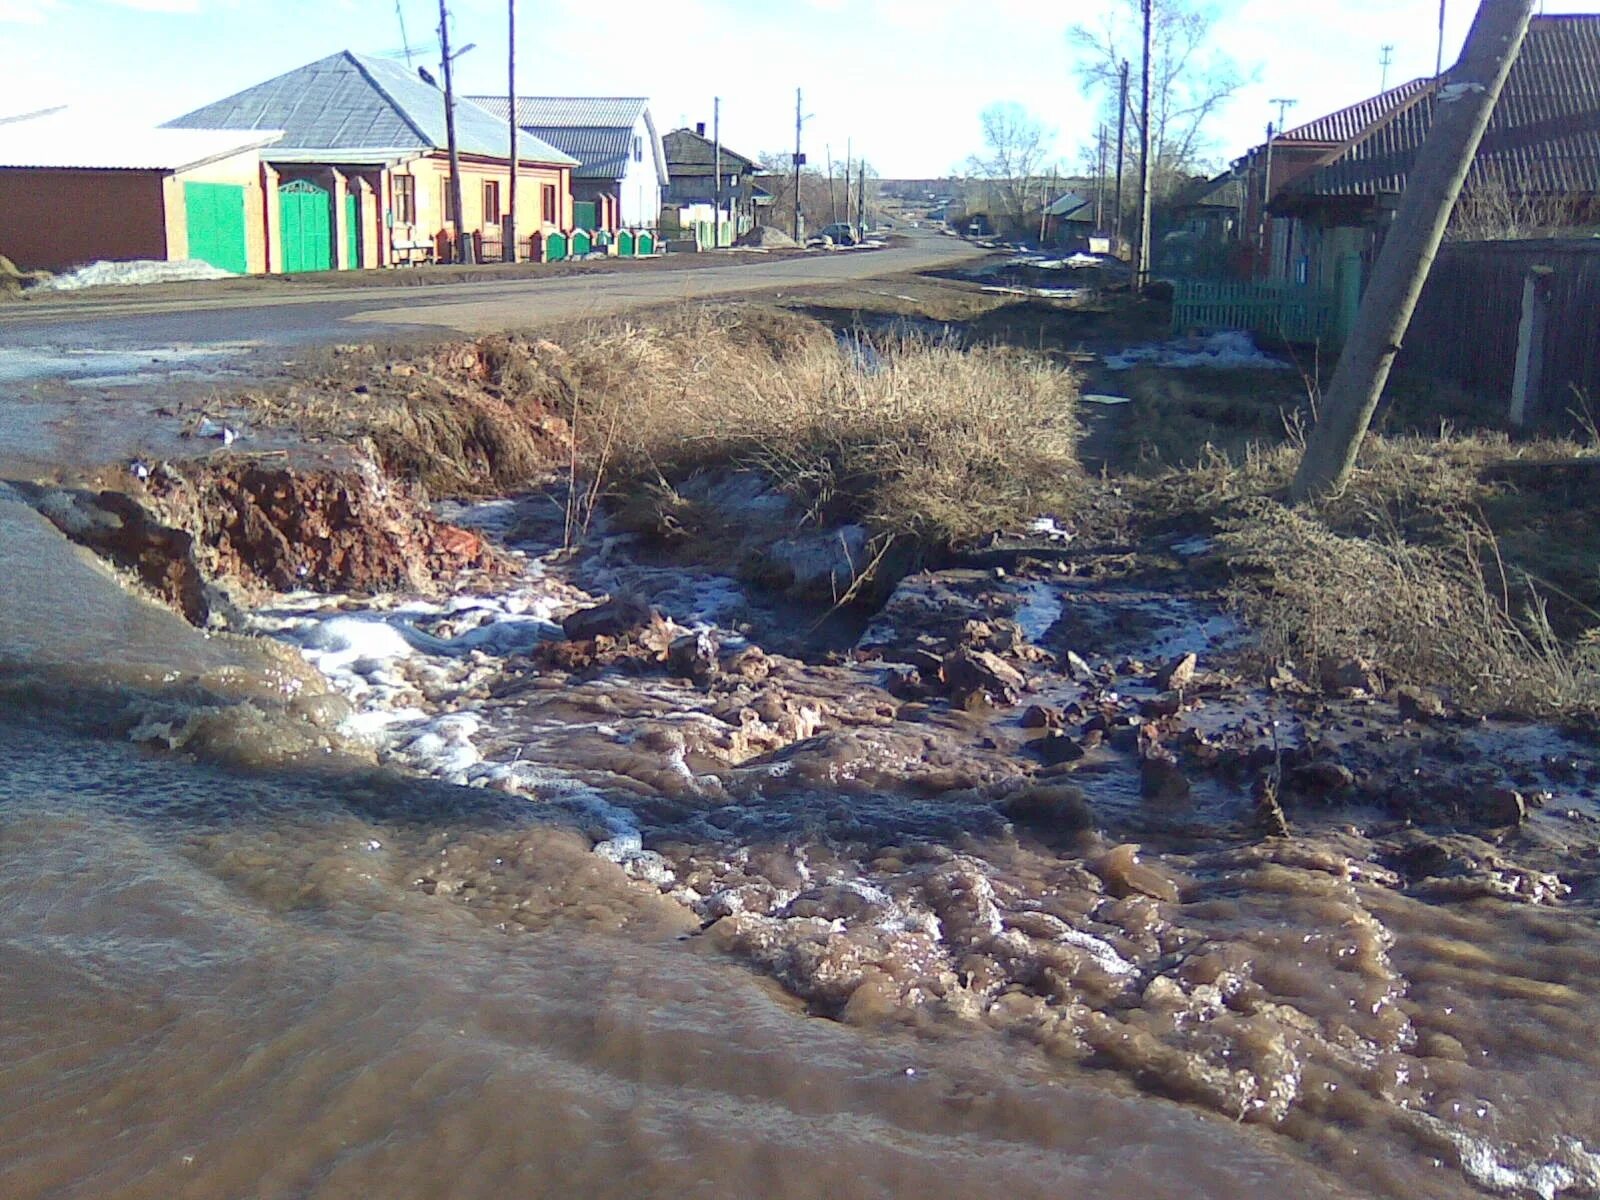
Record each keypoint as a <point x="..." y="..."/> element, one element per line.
<point x="1122" y="150"/>
<point x="1141" y="267"/>
<point x="799" y="161"/>
<point x="1461" y="112"/>
<point x="510" y="248"/>
<point x="463" y="243"/>
<point x="1529" y="375"/>
<point x="716" y="166"/>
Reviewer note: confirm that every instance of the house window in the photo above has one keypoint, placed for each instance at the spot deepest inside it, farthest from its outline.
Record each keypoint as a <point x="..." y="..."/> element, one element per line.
<point x="491" y="202"/>
<point x="638" y="149"/>
<point x="405" y="200"/>
<point x="446" y="198"/>
<point x="547" y="204"/>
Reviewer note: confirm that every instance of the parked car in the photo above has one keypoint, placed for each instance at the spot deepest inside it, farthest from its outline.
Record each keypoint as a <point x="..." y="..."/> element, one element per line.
<point x="840" y="233"/>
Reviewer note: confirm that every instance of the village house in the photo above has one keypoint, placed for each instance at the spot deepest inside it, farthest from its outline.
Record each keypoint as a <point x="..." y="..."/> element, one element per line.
<point x="76" y="189"/>
<point x="693" y="195"/>
<point x="361" y="174"/>
<point x="1335" y="183"/>
<point x="621" y="178"/>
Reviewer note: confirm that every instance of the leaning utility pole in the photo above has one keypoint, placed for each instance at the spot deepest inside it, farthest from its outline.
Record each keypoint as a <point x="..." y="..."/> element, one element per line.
<point x="510" y="254"/>
<point x="799" y="161"/>
<point x="1141" y="268"/>
<point x="1461" y="111"/>
<point x="1122" y="134"/>
<point x="463" y="242"/>
<point x="716" y="165"/>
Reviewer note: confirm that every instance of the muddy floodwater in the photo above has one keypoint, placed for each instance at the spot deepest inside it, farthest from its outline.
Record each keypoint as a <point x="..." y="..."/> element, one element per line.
<point x="518" y="913"/>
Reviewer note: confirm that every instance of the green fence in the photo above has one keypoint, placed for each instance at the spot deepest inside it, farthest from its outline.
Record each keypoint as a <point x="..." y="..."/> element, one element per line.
<point x="1290" y="311"/>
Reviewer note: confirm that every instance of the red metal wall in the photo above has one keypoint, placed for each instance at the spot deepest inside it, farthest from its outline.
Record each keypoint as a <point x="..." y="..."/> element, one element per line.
<point x="55" y="219"/>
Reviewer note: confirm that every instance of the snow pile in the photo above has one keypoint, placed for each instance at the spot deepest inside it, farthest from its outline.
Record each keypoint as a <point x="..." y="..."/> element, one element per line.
<point x="1228" y="350"/>
<point x="133" y="272"/>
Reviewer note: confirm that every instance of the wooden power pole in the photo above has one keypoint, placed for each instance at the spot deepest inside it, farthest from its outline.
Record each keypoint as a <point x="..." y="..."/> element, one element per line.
<point x="1141" y="261"/>
<point x="464" y="249"/>
<point x="1122" y="151"/>
<point x="1461" y="110"/>
<point x="716" y="166"/>
<point x="799" y="161"/>
<point x="510" y="254"/>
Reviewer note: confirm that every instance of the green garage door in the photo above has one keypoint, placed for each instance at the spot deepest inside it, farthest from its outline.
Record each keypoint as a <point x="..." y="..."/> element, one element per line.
<point x="352" y="232"/>
<point x="215" y="216"/>
<point x="306" y="220"/>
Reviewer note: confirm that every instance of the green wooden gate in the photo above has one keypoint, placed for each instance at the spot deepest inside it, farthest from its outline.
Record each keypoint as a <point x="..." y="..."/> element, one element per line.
<point x="352" y="232"/>
<point x="214" y="213"/>
<point x="305" y="218"/>
<point x="581" y="242"/>
<point x="584" y="215"/>
<point x="644" y="244"/>
<point x="625" y="243"/>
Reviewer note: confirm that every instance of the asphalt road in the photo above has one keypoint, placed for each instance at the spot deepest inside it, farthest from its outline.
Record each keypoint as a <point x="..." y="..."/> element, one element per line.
<point x="202" y="321"/>
<point x="92" y="379"/>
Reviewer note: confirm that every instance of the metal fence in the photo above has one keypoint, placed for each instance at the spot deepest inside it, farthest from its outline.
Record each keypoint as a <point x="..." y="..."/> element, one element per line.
<point x="1289" y="311"/>
<point x="1467" y="320"/>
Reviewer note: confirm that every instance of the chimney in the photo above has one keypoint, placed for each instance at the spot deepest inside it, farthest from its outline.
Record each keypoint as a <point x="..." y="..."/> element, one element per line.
<point x="700" y="128"/>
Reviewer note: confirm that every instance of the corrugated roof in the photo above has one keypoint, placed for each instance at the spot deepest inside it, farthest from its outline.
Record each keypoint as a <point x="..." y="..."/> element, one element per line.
<point x="603" y="153"/>
<point x="1351" y="122"/>
<point x="690" y="154"/>
<point x="353" y="102"/>
<point x="1543" y="137"/>
<point x="570" y="112"/>
<point x="1067" y="204"/>
<point x="65" y="140"/>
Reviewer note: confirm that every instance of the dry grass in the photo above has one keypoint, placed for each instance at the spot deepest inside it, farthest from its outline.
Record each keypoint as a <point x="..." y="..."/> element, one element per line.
<point x="912" y="437"/>
<point x="1442" y="613"/>
<point x="1465" y="562"/>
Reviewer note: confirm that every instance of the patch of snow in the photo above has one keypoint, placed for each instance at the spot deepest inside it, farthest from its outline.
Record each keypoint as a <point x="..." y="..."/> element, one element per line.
<point x="1102" y="398"/>
<point x="1047" y="527"/>
<point x="135" y="272"/>
<point x="1227" y="350"/>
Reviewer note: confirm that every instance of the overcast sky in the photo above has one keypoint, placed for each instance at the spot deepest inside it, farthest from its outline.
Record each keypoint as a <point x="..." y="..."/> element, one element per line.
<point x="905" y="79"/>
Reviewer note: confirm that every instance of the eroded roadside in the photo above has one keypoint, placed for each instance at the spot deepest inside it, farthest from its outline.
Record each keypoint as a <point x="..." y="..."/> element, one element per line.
<point x="1035" y="787"/>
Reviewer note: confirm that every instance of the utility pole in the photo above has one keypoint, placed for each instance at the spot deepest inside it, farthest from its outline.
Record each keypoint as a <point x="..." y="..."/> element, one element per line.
<point x="464" y="248"/>
<point x="1099" y="179"/>
<point x="833" y="196"/>
<point x="849" y="166"/>
<point x="861" y="198"/>
<point x="799" y="161"/>
<point x="1122" y="152"/>
<point x="1263" y="260"/>
<point x="1460" y="115"/>
<point x="511" y="99"/>
<point x="1141" y="268"/>
<point x="716" y="165"/>
<point x="1385" y="61"/>
<point x="1438" y="58"/>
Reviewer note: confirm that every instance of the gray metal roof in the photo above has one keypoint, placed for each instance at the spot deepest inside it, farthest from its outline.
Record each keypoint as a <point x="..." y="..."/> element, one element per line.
<point x="690" y="153"/>
<point x="570" y="112"/>
<point x="603" y="153"/>
<point x="1543" y="137"/>
<point x="352" y="102"/>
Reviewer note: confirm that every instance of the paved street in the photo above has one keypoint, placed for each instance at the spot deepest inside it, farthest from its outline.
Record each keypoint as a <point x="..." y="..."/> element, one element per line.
<point x="89" y="379"/>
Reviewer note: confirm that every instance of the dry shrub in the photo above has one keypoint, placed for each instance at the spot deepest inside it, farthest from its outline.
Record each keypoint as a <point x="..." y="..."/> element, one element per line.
<point x="912" y="437"/>
<point x="1437" y="614"/>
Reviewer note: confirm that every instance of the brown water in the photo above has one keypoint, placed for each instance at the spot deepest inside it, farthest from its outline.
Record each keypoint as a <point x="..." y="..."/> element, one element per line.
<point x="782" y="936"/>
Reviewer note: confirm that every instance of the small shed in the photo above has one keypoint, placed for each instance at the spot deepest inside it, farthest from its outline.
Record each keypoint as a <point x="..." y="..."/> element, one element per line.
<point x="75" y="190"/>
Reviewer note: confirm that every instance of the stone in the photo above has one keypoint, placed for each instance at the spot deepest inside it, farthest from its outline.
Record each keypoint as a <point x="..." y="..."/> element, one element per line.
<point x="1053" y="809"/>
<point x="1177" y="674"/>
<point x="1160" y="779"/>
<point x="1039" y="716"/>
<point x="1501" y="806"/>
<point x="1057" y="748"/>
<point x="1322" y="776"/>
<point x="1418" y="704"/>
<point x="616" y="617"/>
<point x="1077" y="668"/>
<point x="1168" y="705"/>
<point x="967" y="672"/>
<point x="1350" y="675"/>
<point x="693" y="656"/>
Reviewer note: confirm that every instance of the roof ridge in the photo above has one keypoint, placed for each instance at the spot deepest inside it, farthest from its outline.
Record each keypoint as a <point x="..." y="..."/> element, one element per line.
<point x="358" y="62"/>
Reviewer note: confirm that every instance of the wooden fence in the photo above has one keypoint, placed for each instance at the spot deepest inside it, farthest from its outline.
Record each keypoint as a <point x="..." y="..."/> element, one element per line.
<point x="1468" y="320"/>
<point x="1283" y="310"/>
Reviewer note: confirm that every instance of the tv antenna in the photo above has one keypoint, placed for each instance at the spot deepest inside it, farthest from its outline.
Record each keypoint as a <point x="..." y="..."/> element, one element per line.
<point x="1385" y="61"/>
<point x="1284" y="105"/>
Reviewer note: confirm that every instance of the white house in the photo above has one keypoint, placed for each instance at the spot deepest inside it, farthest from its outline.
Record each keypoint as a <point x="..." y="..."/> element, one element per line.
<point x="623" y="173"/>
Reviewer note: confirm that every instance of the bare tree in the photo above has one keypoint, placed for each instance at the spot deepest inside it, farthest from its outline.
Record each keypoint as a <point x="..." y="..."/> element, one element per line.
<point x="1495" y="207"/>
<point x="1016" y="154"/>
<point x="1191" y="79"/>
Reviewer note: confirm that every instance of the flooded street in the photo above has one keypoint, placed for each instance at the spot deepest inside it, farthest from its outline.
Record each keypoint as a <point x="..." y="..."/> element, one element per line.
<point x="661" y="911"/>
